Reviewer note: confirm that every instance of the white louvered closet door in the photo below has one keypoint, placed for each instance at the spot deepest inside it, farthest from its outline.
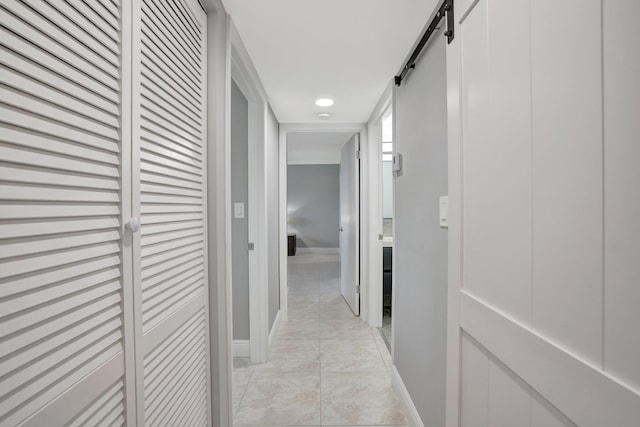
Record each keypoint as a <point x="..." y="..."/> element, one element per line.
<point x="62" y="282"/>
<point x="169" y="168"/>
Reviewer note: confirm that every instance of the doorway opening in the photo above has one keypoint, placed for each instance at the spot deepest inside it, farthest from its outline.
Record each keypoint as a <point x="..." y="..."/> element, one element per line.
<point x="387" y="213"/>
<point x="320" y="205"/>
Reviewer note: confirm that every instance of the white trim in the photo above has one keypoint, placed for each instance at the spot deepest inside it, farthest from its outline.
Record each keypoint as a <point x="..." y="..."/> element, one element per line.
<point x="126" y="168"/>
<point x="275" y="327"/>
<point x="241" y="348"/>
<point x="372" y="298"/>
<point x="282" y="220"/>
<point x="282" y="198"/>
<point x="201" y="13"/>
<point x="454" y="149"/>
<point x="247" y="79"/>
<point x="413" y="418"/>
<point x="219" y="218"/>
<point x="585" y="394"/>
<point x="318" y="251"/>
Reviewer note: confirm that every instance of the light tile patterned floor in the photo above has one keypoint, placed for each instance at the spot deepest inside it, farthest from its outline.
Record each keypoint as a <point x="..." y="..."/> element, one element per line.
<point x="327" y="367"/>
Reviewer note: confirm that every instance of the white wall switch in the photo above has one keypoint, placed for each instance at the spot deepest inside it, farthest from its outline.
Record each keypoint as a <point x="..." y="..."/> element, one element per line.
<point x="444" y="211"/>
<point x="238" y="210"/>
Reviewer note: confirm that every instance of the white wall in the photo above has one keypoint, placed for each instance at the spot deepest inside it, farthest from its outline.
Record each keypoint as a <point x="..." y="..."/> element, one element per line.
<point x="549" y="204"/>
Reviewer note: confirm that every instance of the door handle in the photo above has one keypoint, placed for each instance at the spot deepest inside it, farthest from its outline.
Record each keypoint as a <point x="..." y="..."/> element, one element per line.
<point x="133" y="225"/>
<point x="341" y="228"/>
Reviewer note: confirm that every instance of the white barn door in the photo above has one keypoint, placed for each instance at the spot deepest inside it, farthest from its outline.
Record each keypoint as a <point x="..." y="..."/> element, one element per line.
<point x="549" y="202"/>
<point x="169" y="73"/>
<point x="62" y="340"/>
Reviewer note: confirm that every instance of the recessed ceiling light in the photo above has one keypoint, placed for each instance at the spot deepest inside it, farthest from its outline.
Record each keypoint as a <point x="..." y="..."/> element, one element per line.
<point x="324" y="102"/>
<point x="324" y="116"/>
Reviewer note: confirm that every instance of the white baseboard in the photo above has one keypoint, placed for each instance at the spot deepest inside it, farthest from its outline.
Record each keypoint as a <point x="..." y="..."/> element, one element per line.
<point x="318" y="250"/>
<point x="274" y="329"/>
<point x="241" y="348"/>
<point x="413" y="418"/>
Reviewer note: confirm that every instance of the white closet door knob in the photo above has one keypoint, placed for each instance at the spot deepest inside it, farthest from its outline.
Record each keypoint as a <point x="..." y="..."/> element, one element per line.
<point x="133" y="225"/>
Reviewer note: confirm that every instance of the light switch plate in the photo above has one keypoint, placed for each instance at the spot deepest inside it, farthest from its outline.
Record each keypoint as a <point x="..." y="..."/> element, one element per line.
<point x="444" y="211"/>
<point x="238" y="210"/>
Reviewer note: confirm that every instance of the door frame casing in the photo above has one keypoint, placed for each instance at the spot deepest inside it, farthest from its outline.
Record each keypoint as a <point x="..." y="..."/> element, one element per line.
<point x="225" y="47"/>
<point x="246" y="77"/>
<point x="219" y="225"/>
<point x="282" y="200"/>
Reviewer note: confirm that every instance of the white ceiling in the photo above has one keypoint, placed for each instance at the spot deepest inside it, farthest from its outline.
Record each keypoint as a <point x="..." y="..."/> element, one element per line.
<point x="347" y="50"/>
<point x="315" y="148"/>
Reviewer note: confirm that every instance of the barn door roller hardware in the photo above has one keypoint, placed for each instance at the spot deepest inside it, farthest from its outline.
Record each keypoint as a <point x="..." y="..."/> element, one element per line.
<point x="445" y="9"/>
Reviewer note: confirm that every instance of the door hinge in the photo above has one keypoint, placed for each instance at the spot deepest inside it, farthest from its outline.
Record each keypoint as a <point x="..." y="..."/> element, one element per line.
<point x="358" y="154"/>
<point x="357" y="289"/>
<point x="251" y="246"/>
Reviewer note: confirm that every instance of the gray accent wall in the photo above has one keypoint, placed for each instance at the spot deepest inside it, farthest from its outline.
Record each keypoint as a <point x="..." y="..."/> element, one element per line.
<point x="240" y="227"/>
<point x="420" y="250"/>
<point x="273" y="208"/>
<point x="313" y="205"/>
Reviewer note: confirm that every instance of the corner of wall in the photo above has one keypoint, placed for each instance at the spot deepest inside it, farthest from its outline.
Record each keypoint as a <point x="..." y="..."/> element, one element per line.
<point x="413" y="418"/>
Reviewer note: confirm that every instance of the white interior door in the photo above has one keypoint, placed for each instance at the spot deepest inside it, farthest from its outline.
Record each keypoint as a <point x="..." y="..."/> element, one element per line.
<point x="548" y="203"/>
<point x="350" y="223"/>
<point x="169" y="197"/>
<point x="62" y="281"/>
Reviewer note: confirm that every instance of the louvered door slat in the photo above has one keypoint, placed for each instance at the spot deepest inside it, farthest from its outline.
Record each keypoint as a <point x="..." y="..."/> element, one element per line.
<point x="26" y="102"/>
<point x="61" y="283"/>
<point x="59" y="33"/>
<point x="172" y="181"/>
<point x="162" y="162"/>
<point x="171" y="109"/>
<point x="168" y="35"/>
<point x="35" y="36"/>
<point x="36" y="73"/>
<point x="85" y="32"/>
<point x="154" y="83"/>
<point x="179" y="272"/>
<point x="107" y="38"/>
<point x="97" y="12"/>
<point x="22" y="119"/>
<point x="19" y="146"/>
<point x="171" y="269"/>
<point x="100" y="162"/>
<point x="52" y="63"/>
<point x="155" y="69"/>
<point x="17" y="80"/>
<point x="110" y="403"/>
<point x="186" y="38"/>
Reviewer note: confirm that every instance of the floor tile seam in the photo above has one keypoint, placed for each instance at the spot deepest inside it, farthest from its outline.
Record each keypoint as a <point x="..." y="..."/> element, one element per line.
<point x="285" y="371"/>
<point x="244" y="392"/>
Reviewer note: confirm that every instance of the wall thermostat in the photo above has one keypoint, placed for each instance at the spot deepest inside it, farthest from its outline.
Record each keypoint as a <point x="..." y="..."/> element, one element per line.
<point x="397" y="163"/>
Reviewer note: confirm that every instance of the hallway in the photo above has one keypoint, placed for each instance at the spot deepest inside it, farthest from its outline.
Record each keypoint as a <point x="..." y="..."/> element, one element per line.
<point x="327" y="367"/>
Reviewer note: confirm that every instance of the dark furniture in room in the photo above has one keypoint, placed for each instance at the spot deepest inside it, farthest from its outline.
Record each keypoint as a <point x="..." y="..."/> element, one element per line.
<point x="387" y="256"/>
<point x="291" y="244"/>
